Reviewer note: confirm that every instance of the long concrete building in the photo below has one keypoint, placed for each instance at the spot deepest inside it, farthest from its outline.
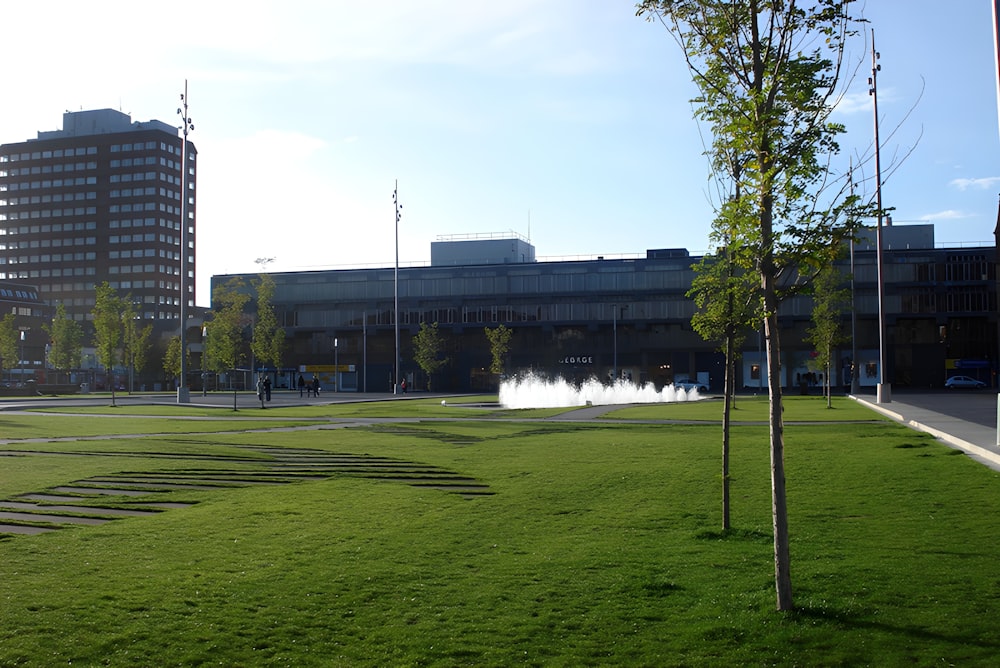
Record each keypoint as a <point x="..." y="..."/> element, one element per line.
<point x="630" y="315"/>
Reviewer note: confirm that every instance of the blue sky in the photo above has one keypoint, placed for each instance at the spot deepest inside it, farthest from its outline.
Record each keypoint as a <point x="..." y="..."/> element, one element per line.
<point x="564" y="120"/>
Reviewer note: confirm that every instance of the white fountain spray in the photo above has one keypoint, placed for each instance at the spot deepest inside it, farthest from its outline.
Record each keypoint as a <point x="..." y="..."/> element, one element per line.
<point x="533" y="392"/>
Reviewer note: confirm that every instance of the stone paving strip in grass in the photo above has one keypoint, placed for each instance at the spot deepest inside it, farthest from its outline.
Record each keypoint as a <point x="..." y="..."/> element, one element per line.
<point x="33" y="514"/>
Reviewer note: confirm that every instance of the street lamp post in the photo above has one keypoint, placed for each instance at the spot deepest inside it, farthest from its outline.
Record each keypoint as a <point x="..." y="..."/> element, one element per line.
<point x="883" y="393"/>
<point x="855" y="368"/>
<point x="395" y="282"/>
<point x="20" y="361"/>
<point x="204" y="371"/>
<point x="614" y="344"/>
<point x="336" y="367"/>
<point x="183" y="395"/>
<point x="614" y="329"/>
<point x="364" y="350"/>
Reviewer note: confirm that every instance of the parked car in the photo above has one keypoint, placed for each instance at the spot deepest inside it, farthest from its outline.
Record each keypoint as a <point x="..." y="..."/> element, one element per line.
<point x="689" y="385"/>
<point x="964" y="382"/>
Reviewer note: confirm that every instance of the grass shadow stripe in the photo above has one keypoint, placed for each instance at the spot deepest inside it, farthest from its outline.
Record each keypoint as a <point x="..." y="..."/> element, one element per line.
<point x="80" y="510"/>
<point x="50" y="518"/>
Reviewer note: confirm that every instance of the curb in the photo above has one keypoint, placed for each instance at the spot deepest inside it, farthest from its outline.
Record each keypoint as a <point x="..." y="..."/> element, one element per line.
<point x="992" y="458"/>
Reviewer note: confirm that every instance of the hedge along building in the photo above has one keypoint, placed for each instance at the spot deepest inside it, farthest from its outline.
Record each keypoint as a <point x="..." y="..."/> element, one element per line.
<point x="577" y="318"/>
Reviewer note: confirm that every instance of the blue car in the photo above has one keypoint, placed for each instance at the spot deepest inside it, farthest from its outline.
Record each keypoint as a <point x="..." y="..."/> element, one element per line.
<point x="964" y="382"/>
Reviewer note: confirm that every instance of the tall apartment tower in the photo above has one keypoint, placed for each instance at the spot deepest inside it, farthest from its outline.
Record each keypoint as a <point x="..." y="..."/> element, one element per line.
<point x="99" y="200"/>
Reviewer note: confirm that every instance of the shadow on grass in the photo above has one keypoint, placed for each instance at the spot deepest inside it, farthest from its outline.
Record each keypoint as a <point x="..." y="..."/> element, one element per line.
<point x="753" y="535"/>
<point x="661" y="588"/>
<point x="847" y="620"/>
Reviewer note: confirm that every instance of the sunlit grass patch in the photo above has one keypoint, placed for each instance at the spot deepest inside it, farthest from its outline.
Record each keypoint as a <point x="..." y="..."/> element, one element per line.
<point x="601" y="544"/>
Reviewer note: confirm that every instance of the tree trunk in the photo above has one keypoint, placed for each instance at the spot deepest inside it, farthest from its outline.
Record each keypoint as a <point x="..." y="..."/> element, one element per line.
<point x="726" y="417"/>
<point x="829" y="382"/>
<point x="779" y="507"/>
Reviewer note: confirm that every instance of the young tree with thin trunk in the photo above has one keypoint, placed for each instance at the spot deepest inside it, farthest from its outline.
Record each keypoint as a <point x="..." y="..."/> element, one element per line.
<point x="172" y="359"/>
<point x="224" y="332"/>
<point x="499" y="338"/>
<point x="831" y="299"/>
<point x="66" y="336"/>
<point x="768" y="72"/>
<point x="268" y="337"/>
<point x="728" y="302"/>
<point x="8" y="342"/>
<point x="108" y="312"/>
<point x="428" y="346"/>
<point x="136" y="341"/>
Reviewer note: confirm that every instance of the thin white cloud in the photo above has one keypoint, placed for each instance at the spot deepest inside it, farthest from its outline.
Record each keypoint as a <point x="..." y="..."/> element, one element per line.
<point x="947" y="214"/>
<point x="853" y="103"/>
<point x="978" y="184"/>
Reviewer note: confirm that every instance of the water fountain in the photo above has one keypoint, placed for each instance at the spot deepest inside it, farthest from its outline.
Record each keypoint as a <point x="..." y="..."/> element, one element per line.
<point x="531" y="391"/>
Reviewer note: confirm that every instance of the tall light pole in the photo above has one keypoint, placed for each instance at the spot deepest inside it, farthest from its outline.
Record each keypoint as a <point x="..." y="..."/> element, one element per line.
<point x="336" y="366"/>
<point x="883" y="393"/>
<point x="855" y="368"/>
<point x="182" y="389"/>
<point x="204" y="371"/>
<point x="395" y="281"/>
<point x="614" y="329"/>
<point x="20" y="361"/>
<point x="614" y="344"/>
<point x="364" y="350"/>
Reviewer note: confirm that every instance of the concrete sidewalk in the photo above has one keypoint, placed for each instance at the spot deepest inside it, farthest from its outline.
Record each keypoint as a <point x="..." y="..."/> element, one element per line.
<point x="963" y="420"/>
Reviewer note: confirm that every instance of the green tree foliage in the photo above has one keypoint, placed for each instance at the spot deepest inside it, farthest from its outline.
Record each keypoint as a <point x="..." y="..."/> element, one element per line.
<point x="136" y="343"/>
<point x="224" y="348"/>
<point x="268" y="338"/>
<point x="727" y="298"/>
<point x="428" y="346"/>
<point x="66" y="337"/>
<point x="767" y="72"/>
<point x="728" y="301"/>
<point x="499" y="338"/>
<point x="109" y="311"/>
<point x="831" y="299"/>
<point x="8" y="342"/>
<point x="172" y="358"/>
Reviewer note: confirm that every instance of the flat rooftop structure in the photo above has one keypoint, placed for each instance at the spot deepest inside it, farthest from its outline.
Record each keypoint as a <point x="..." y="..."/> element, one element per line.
<point x="476" y="249"/>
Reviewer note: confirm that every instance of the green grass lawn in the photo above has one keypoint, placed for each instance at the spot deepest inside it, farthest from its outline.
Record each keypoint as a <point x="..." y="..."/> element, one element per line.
<point x="483" y="406"/>
<point x="599" y="544"/>
<point x="752" y="409"/>
<point x="59" y="425"/>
